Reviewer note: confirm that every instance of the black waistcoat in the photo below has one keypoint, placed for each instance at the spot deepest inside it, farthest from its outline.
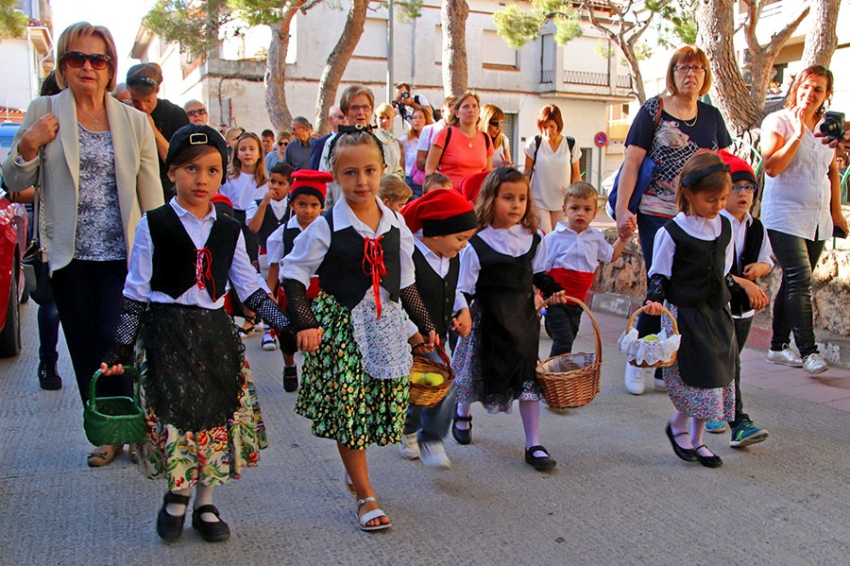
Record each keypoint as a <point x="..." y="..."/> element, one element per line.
<point x="753" y="240"/>
<point x="175" y="255"/>
<point x="270" y="223"/>
<point x="341" y="272"/>
<point x="437" y="293"/>
<point x="289" y="235"/>
<point x="698" y="274"/>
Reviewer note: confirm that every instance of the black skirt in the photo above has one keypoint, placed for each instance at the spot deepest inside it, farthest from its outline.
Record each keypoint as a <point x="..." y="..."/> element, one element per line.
<point x="708" y="350"/>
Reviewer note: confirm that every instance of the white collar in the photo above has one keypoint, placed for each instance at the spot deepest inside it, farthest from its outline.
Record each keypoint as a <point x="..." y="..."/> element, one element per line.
<point x="182" y="212"/>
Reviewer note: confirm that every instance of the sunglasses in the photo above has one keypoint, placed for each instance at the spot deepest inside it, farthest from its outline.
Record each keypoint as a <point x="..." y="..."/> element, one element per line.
<point x="283" y="144"/>
<point x="77" y="59"/>
<point x="495" y="123"/>
<point x="199" y="112"/>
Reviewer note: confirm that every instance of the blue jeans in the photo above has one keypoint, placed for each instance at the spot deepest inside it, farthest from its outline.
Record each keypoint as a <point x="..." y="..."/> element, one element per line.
<point x="562" y="322"/>
<point x="48" y="333"/>
<point x="792" y="308"/>
<point x="432" y="423"/>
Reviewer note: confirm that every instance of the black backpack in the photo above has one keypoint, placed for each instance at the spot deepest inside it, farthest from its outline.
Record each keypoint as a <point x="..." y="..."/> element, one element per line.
<point x="571" y="142"/>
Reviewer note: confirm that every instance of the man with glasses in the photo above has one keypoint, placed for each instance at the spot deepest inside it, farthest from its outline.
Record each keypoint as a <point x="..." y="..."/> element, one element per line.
<point x="298" y="152"/>
<point x="197" y="112"/>
<point x="335" y="118"/>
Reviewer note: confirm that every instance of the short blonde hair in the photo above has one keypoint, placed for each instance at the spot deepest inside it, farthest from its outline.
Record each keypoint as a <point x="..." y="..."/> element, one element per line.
<point x="394" y="189"/>
<point x="582" y="190"/>
<point x="434" y="181"/>
<point x="687" y="54"/>
<point x="84" y="29"/>
<point x="385" y="110"/>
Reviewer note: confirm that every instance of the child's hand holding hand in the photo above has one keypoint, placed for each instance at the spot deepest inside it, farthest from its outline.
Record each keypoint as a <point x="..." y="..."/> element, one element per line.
<point x="539" y="303"/>
<point x="462" y="323"/>
<point x="758" y="298"/>
<point x="559" y="298"/>
<point x="754" y="271"/>
<point x="308" y="340"/>
<point x="117" y="369"/>
<point x="654" y="308"/>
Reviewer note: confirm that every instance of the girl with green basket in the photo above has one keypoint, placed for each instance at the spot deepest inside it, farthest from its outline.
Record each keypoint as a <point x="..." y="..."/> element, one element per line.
<point x="203" y="420"/>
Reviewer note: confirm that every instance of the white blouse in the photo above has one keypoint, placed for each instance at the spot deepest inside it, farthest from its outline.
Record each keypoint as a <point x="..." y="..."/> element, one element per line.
<point x="137" y="286"/>
<point x="514" y="241"/>
<point x="701" y="228"/>
<point x="242" y="190"/>
<point x="552" y="172"/>
<point x="576" y="251"/>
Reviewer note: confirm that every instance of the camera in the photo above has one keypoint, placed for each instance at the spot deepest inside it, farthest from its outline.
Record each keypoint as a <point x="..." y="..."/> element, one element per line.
<point x="405" y="95"/>
<point x="833" y="125"/>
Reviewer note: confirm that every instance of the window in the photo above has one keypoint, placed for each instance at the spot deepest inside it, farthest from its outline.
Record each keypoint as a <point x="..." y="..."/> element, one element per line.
<point x="496" y="53"/>
<point x="509" y="129"/>
<point x="373" y="42"/>
<point x="547" y="58"/>
<point x="438" y="45"/>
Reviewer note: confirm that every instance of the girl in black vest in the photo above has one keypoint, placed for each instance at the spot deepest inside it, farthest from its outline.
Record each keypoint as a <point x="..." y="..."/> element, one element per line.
<point x="354" y="380"/>
<point x="496" y="363"/>
<point x="693" y="255"/>
<point x="204" y="423"/>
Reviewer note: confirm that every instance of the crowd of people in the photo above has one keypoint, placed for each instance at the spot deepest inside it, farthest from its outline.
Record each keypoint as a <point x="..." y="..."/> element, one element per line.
<point x="362" y="250"/>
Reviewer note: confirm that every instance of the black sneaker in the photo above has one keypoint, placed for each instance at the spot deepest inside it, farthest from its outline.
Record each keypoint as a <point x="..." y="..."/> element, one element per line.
<point x="290" y="379"/>
<point x="48" y="377"/>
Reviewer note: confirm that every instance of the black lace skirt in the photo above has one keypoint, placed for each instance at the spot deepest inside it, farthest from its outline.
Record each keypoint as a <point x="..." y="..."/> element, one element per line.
<point x="194" y="358"/>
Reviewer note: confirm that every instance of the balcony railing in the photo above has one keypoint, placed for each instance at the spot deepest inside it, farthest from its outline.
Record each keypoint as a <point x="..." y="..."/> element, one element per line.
<point x="547" y="76"/>
<point x="596" y="79"/>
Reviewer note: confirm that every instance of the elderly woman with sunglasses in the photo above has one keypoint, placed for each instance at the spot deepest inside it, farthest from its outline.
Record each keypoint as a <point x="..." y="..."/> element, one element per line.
<point x="96" y="162"/>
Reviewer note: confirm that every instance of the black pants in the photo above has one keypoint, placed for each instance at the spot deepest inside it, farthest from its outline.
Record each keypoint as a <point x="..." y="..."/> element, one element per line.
<point x="742" y="331"/>
<point x="88" y="295"/>
<point x="562" y="322"/>
<point x="792" y="308"/>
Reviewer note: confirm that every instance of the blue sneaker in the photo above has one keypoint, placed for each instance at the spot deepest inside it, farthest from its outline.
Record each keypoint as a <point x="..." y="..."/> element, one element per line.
<point x="747" y="433"/>
<point x="715" y="427"/>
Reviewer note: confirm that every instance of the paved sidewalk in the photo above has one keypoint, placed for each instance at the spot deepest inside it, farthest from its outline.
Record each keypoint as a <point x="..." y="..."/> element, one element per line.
<point x="618" y="495"/>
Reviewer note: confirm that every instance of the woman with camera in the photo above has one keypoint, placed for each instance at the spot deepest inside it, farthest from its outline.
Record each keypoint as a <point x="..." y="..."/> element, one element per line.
<point x="801" y="207"/>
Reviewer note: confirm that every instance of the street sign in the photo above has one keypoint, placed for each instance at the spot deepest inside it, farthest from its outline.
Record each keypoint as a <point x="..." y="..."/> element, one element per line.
<point x="601" y="139"/>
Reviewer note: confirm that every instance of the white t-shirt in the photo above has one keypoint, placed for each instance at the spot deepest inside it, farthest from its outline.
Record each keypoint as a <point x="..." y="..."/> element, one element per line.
<point x="552" y="172"/>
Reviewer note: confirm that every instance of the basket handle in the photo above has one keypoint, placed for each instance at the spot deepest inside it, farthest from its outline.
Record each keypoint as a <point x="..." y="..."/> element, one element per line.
<point x="596" y="333"/>
<point x="93" y="385"/>
<point x="643" y="308"/>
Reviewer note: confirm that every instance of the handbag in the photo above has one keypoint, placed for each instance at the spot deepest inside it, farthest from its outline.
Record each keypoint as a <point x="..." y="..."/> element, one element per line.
<point x="645" y="176"/>
<point x="34" y="261"/>
<point x="418" y="176"/>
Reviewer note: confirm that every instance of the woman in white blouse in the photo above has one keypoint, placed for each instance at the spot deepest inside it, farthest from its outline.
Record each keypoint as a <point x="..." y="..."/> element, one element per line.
<point x="491" y="122"/>
<point x="553" y="166"/>
<point x="802" y="204"/>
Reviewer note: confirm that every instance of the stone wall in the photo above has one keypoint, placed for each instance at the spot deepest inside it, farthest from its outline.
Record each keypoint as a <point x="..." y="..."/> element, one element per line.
<point x="831" y="282"/>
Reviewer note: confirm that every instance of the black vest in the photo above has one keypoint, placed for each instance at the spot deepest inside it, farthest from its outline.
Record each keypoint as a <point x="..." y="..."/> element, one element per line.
<point x="437" y="293"/>
<point x="175" y="255"/>
<point x="289" y="235"/>
<point x="270" y="223"/>
<point x="341" y="272"/>
<point x="698" y="274"/>
<point x="753" y="241"/>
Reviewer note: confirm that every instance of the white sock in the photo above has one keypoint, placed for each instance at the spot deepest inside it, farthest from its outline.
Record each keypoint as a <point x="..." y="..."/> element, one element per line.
<point x="178" y="509"/>
<point x="204" y="496"/>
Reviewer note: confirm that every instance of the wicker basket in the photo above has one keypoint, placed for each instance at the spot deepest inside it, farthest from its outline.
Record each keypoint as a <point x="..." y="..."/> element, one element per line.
<point x="114" y="420"/>
<point x="428" y="396"/>
<point x="675" y="331"/>
<point x="572" y="380"/>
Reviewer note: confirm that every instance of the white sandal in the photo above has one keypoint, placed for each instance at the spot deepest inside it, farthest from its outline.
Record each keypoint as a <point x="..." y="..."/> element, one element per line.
<point x="370" y="516"/>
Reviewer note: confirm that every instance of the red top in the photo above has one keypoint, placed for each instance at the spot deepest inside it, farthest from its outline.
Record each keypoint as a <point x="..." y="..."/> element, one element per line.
<point x="459" y="159"/>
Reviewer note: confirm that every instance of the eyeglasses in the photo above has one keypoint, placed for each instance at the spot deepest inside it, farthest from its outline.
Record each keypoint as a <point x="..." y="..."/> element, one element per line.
<point x="198" y="112"/>
<point x="496" y="123"/>
<point x="77" y="59"/>
<point x="283" y="144"/>
<point x="685" y="69"/>
<point x="749" y="189"/>
<point x="358" y="107"/>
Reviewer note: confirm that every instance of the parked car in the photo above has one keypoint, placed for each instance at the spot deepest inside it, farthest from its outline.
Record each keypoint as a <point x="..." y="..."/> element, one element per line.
<point x="13" y="238"/>
<point x="7" y="134"/>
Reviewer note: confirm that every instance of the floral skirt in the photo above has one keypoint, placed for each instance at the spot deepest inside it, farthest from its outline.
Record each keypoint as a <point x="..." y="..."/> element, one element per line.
<point x="466" y="363"/>
<point x="206" y="457"/>
<point x="344" y="402"/>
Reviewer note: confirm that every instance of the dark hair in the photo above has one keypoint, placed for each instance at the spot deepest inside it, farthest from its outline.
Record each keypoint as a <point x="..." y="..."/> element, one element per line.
<point x="813" y="71"/>
<point x="191" y="153"/>
<point x="550" y="112"/>
<point x="267" y="134"/>
<point x="486" y="204"/>
<point x="284" y="169"/>
<point x="50" y="87"/>
<point x="705" y="172"/>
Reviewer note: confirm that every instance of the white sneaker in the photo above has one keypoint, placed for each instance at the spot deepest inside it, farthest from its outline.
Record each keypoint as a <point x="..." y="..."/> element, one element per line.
<point x="814" y="364"/>
<point x="636" y="378"/>
<point x="268" y="342"/>
<point x="433" y="455"/>
<point x="786" y="357"/>
<point x="409" y="447"/>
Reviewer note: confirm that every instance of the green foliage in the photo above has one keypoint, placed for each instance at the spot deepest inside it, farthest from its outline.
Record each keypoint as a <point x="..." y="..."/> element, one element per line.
<point x="677" y="24"/>
<point x="194" y="28"/>
<point x="604" y="49"/>
<point x="257" y="12"/>
<point x="405" y="11"/>
<point x="13" y="22"/>
<point x="518" y="27"/>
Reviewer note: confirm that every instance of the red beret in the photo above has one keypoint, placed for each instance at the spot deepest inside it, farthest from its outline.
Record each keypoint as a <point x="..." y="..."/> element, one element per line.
<point x="440" y="212"/>
<point x="739" y="169"/>
<point x="307" y="182"/>
<point x="222" y="204"/>
<point x="471" y="185"/>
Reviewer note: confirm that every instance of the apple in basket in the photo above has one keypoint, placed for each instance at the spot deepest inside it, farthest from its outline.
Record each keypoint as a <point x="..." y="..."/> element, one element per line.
<point x="432" y="379"/>
<point x="650" y="338"/>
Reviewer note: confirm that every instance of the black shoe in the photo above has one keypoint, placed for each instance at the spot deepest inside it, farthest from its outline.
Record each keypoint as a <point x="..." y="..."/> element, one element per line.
<point x="210" y="532"/>
<point x="712" y="461"/>
<point x="290" y="379"/>
<point x="48" y="377"/>
<point x="462" y="436"/>
<point x="686" y="454"/>
<point x="539" y="462"/>
<point x="168" y="527"/>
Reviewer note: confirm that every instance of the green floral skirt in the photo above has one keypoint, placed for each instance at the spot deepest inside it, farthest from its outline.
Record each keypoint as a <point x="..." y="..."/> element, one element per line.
<point x="344" y="402"/>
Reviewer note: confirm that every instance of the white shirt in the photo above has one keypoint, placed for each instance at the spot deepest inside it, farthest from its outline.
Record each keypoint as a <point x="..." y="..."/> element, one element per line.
<point x="137" y="286"/>
<point x="312" y="244"/>
<point x="279" y="208"/>
<point x="739" y="237"/>
<point x="696" y="226"/>
<point x="514" y="241"/>
<point x="274" y="243"/>
<point x="242" y="190"/>
<point x="797" y="201"/>
<point x="576" y="251"/>
<point x="427" y="135"/>
<point x="552" y="172"/>
<point x="501" y="156"/>
<point x="440" y="265"/>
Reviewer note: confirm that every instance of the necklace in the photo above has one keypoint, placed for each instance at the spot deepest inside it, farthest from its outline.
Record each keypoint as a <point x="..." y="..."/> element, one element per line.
<point x="693" y="120"/>
<point x="92" y="118"/>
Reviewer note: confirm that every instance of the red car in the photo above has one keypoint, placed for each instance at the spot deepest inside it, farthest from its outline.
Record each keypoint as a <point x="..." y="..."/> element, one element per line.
<point x="13" y="240"/>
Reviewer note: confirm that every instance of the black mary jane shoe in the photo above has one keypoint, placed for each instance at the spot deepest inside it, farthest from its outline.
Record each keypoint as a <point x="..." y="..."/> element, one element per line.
<point x="211" y="532"/>
<point x="712" y="461"/>
<point x="462" y="436"/>
<point x="170" y="527"/>
<point x="539" y="462"/>
<point x="686" y="454"/>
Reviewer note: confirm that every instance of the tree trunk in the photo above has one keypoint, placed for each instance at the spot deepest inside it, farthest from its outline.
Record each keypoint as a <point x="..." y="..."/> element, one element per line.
<point x="716" y="25"/>
<point x="821" y="39"/>
<point x="276" y="105"/>
<point x="455" y="71"/>
<point x="338" y="60"/>
<point x="627" y="48"/>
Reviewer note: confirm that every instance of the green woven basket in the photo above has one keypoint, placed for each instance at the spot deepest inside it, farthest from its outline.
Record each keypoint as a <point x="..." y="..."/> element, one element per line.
<point x="114" y="420"/>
